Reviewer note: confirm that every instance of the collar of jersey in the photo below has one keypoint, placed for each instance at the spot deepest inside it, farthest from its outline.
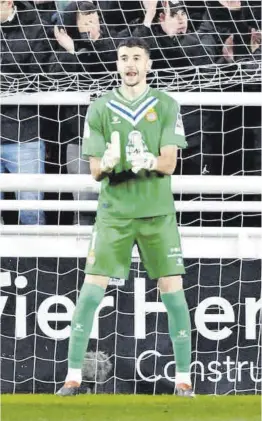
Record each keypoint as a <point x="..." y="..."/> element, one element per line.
<point x="133" y="116"/>
<point x="127" y="101"/>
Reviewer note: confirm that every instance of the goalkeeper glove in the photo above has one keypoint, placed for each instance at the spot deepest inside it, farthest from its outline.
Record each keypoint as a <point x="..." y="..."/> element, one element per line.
<point x="111" y="156"/>
<point x="145" y="161"/>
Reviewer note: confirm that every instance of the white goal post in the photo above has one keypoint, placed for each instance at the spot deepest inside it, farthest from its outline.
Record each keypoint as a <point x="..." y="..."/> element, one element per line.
<point x="186" y="184"/>
<point x="183" y="98"/>
<point x="180" y="184"/>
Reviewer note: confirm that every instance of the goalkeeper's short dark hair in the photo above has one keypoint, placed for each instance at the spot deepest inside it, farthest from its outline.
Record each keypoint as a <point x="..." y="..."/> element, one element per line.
<point x="134" y="42"/>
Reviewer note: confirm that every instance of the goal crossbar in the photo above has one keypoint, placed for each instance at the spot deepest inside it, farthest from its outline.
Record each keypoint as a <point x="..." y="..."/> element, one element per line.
<point x="92" y="205"/>
<point x="82" y="230"/>
<point x="73" y="242"/>
<point x="183" y="98"/>
<point x="180" y="184"/>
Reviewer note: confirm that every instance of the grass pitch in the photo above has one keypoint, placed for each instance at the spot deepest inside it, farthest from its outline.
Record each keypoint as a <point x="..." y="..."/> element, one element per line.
<point x="130" y="408"/>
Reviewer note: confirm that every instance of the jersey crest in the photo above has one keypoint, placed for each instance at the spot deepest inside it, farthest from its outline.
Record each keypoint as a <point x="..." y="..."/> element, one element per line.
<point x="151" y="115"/>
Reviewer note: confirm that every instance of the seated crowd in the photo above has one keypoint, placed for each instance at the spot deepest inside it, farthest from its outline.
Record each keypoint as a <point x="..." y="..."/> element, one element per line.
<point x="65" y="37"/>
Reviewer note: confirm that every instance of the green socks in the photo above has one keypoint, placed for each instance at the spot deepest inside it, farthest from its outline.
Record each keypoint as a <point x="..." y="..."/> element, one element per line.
<point x="89" y="299"/>
<point x="91" y="296"/>
<point x="179" y="328"/>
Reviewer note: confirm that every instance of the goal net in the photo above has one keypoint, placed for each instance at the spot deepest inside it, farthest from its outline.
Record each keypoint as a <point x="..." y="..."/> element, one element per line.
<point x="219" y="214"/>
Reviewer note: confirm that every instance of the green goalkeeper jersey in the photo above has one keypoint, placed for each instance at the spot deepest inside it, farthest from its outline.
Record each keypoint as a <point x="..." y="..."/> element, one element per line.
<point x="145" y="125"/>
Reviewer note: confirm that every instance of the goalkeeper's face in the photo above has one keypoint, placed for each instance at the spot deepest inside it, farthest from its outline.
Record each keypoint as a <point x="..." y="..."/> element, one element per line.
<point x="6" y="9"/>
<point x="133" y="64"/>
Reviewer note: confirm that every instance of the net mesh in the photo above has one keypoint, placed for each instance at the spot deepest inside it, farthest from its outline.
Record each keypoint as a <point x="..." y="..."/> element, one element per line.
<point x="132" y="352"/>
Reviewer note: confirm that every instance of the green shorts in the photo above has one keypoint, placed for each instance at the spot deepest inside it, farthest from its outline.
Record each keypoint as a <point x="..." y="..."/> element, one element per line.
<point x="157" y="239"/>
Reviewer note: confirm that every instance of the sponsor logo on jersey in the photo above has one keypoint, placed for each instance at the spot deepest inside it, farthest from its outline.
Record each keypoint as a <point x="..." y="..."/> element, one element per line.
<point x="115" y="120"/>
<point x="136" y="145"/>
<point x="176" y="252"/>
<point x="151" y="115"/>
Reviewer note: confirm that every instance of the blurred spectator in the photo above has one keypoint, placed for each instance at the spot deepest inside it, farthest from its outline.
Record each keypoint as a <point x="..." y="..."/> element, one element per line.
<point x="46" y="9"/>
<point x="242" y="44"/>
<point x="25" y="49"/>
<point x="252" y="48"/>
<point x="117" y="15"/>
<point x="252" y="13"/>
<point x="56" y="8"/>
<point x="251" y="116"/>
<point x="52" y="10"/>
<point x="223" y="18"/>
<point x="195" y="11"/>
<point x="173" y="45"/>
<point x="87" y="38"/>
<point x="231" y="28"/>
<point x="59" y="4"/>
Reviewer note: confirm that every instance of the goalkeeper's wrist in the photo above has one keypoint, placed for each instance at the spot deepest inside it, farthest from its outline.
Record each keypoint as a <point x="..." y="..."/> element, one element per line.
<point x="153" y="164"/>
<point x="104" y="168"/>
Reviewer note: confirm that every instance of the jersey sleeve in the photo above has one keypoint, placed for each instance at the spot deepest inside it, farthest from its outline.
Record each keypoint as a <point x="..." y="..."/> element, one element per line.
<point x="173" y="129"/>
<point x="94" y="143"/>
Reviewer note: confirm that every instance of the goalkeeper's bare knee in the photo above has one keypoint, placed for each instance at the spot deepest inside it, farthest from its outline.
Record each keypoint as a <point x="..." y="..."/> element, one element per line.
<point x="170" y="283"/>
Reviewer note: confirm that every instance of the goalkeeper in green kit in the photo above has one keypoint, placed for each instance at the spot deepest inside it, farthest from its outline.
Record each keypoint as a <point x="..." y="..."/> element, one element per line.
<point x="131" y="137"/>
